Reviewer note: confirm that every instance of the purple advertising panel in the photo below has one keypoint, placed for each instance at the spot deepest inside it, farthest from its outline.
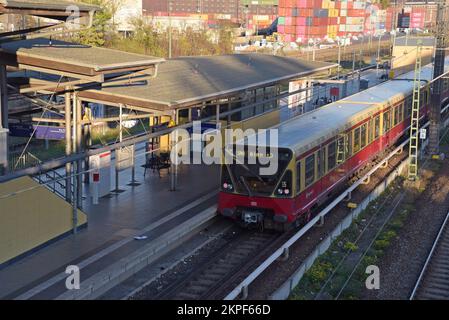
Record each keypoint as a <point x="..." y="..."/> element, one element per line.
<point x="42" y="132"/>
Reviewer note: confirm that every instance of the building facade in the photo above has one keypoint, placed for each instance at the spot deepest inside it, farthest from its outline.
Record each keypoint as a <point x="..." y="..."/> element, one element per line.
<point x="239" y="11"/>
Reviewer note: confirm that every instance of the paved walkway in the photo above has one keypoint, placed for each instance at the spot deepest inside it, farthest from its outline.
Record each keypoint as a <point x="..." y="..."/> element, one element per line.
<point x="113" y="219"/>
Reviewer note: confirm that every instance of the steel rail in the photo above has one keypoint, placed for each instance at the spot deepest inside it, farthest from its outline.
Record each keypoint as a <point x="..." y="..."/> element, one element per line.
<point x="429" y="257"/>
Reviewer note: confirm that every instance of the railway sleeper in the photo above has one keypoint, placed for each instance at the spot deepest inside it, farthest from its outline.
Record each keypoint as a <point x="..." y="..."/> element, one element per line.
<point x="187" y="296"/>
<point x="441" y="264"/>
<point x="432" y="296"/>
<point x="443" y="292"/>
<point x="237" y="256"/>
<point x="438" y="278"/>
<point x="206" y="282"/>
<point x="247" y="247"/>
<point x="221" y="270"/>
<point x="440" y="270"/>
<point x="234" y="258"/>
<point x="439" y="287"/>
<point x="195" y="288"/>
<point x="211" y="277"/>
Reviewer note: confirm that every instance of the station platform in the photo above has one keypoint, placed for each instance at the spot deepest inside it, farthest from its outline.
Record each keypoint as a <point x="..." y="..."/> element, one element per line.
<point x="112" y="226"/>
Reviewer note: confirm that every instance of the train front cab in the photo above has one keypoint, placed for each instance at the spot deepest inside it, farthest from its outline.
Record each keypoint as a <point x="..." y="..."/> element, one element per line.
<point x="256" y="199"/>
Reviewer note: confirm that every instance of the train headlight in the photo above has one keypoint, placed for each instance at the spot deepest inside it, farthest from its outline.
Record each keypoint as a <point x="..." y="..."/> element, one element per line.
<point x="287" y="191"/>
<point x="227" y="186"/>
<point x="280" y="191"/>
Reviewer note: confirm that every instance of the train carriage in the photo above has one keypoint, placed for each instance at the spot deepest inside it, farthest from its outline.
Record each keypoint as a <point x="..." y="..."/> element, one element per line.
<point x="318" y="152"/>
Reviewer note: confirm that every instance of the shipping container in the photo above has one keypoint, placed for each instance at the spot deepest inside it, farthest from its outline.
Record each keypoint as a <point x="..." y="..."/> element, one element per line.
<point x="301" y="4"/>
<point x="301" y="21"/>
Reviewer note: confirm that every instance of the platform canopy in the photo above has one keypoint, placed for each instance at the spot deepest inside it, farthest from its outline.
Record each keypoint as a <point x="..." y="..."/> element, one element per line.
<point x="80" y="64"/>
<point x="53" y="9"/>
<point x="185" y="81"/>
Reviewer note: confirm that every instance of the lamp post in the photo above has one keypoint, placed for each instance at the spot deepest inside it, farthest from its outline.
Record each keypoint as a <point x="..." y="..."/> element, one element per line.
<point x="257" y="20"/>
<point x="339" y="56"/>
<point x="378" y="55"/>
<point x="169" y="29"/>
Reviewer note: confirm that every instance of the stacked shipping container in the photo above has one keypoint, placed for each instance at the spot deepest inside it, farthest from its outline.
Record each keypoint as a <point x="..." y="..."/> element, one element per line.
<point x="305" y="19"/>
<point x="318" y="19"/>
<point x="301" y="20"/>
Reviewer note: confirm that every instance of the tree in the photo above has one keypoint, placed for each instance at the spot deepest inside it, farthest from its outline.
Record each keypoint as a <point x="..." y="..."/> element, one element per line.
<point x="384" y="4"/>
<point x="96" y="35"/>
<point x="146" y="36"/>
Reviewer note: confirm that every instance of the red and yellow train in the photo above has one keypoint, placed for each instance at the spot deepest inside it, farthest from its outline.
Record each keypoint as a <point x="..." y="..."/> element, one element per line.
<point x="318" y="152"/>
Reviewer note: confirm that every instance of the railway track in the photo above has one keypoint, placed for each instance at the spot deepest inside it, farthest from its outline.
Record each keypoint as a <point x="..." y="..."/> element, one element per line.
<point x="433" y="282"/>
<point x="347" y="53"/>
<point x="232" y="261"/>
<point x="230" y="264"/>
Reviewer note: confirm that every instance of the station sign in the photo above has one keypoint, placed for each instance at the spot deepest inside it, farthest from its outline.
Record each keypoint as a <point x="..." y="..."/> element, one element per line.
<point x="124" y="158"/>
<point x="422" y="134"/>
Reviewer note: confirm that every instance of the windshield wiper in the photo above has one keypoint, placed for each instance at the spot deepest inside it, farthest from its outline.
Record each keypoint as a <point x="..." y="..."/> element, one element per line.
<point x="242" y="179"/>
<point x="249" y="170"/>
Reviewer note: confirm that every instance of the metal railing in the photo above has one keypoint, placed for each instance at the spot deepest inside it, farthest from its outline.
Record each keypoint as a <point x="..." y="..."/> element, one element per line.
<point x="54" y="181"/>
<point x="18" y="161"/>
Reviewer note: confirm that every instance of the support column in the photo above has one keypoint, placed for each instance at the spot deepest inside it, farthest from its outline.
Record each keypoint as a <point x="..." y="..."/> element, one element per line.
<point x="228" y="118"/>
<point x="68" y="145"/>
<point x="117" y="176"/>
<point x="174" y="166"/>
<point x="435" y="106"/>
<point x="75" y="169"/>
<point x="79" y="148"/>
<point x="4" y="148"/>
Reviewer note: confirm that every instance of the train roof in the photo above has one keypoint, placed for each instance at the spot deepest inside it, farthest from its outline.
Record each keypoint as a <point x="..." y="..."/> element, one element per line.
<point x="309" y="130"/>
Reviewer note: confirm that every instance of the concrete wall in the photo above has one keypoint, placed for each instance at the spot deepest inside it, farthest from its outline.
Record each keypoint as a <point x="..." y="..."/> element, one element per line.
<point x="404" y="58"/>
<point x="31" y="218"/>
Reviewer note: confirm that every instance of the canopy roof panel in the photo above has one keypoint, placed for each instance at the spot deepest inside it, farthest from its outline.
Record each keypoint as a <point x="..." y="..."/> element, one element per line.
<point x="45" y="8"/>
<point x="187" y="80"/>
<point x="70" y="57"/>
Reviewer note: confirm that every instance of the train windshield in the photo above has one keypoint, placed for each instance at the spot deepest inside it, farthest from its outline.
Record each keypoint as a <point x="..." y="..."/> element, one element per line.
<point x="249" y="180"/>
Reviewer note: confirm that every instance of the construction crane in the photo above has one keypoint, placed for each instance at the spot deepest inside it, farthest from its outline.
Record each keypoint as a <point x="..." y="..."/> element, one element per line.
<point x="414" y="126"/>
<point x="435" y="101"/>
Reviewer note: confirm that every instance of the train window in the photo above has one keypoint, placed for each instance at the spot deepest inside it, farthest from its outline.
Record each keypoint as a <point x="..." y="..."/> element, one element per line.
<point x="331" y="156"/>
<point x="298" y="176"/>
<point x="387" y="121"/>
<point x="321" y="162"/>
<point x="376" y="127"/>
<point x="349" y="149"/>
<point x="401" y="112"/>
<point x="310" y="169"/>
<point x="363" y="130"/>
<point x="370" y="130"/>
<point x="356" y="140"/>
<point x="396" y="116"/>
